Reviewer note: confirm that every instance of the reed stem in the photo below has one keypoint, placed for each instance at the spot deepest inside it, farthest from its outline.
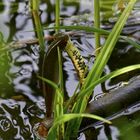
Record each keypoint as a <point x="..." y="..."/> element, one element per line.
<point x="97" y="24"/>
<point x="57" y="15"/>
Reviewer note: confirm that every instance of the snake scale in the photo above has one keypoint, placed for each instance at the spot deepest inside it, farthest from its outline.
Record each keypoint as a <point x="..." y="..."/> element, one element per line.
<point x="50" y="66"/>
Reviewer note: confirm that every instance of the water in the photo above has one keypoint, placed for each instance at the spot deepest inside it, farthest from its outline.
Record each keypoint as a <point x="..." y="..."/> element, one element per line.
<point x="21" y="101"/>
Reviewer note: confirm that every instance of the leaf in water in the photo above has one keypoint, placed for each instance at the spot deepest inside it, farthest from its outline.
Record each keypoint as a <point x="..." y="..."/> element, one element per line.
<point x="68" y="117"/>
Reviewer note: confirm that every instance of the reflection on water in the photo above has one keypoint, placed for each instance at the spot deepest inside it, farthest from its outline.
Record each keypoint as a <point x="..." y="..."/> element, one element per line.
<point x="22" y="103"/>
<point x="17" y="118"/>
<point x="123" y="122"/>
<point x="24" y="64"/>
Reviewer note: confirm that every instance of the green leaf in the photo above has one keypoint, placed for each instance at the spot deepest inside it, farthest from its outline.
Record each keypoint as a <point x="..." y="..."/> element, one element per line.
<point x="132" y="41"/>
<point x="106" y="77"/>
<point x="58" y="101"/>
<point x="100" y="31"/>
<point x="109" y="45"/>
<point x="68" y="117"/>
<point x="37" y="22"/>
<point x="55" y="86"/>
<point x="79" y="27"/>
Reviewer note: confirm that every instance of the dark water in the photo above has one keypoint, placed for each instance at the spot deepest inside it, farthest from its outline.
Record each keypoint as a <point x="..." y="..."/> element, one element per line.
<point x="21" y="102"/>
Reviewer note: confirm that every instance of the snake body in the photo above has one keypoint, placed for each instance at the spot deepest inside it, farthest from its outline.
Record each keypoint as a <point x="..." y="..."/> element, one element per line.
<point x="77" y="60"/>
<point x="50" y="66"/>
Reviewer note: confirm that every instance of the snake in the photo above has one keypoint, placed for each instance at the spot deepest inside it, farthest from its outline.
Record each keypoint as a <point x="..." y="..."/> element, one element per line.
<point x="50" y="66"/>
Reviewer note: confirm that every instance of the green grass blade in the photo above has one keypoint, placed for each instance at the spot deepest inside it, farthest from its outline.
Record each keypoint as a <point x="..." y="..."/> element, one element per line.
<point x="58" y="102"/>
<point x="2" y="38"/>
<point x="100" y="31"/>
<point x="58" y="111"/>
<point x="97" y="24"/>
<point x="131" y="41"/>
<point x="57" y="15"/>
<point x="61" y="86"/>
<point x="55" y="86"/>
<point x="3" y="46"/>
<point x="109" y="45"/>
<point x="37" y="22"/>
<point x="106" y="77"/>
<point x="79" y="27"/>
<point x="68" y="117"/>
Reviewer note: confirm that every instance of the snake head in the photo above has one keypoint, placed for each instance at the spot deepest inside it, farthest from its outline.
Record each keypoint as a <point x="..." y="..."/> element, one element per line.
<point x="62" y="38"/>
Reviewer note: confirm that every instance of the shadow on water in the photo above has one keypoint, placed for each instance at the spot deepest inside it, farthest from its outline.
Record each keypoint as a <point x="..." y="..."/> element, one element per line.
<point x="21" y="101"/>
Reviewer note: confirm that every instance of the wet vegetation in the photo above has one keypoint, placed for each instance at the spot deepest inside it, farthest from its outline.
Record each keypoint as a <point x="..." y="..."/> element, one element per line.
<point x="60" y="52"/>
